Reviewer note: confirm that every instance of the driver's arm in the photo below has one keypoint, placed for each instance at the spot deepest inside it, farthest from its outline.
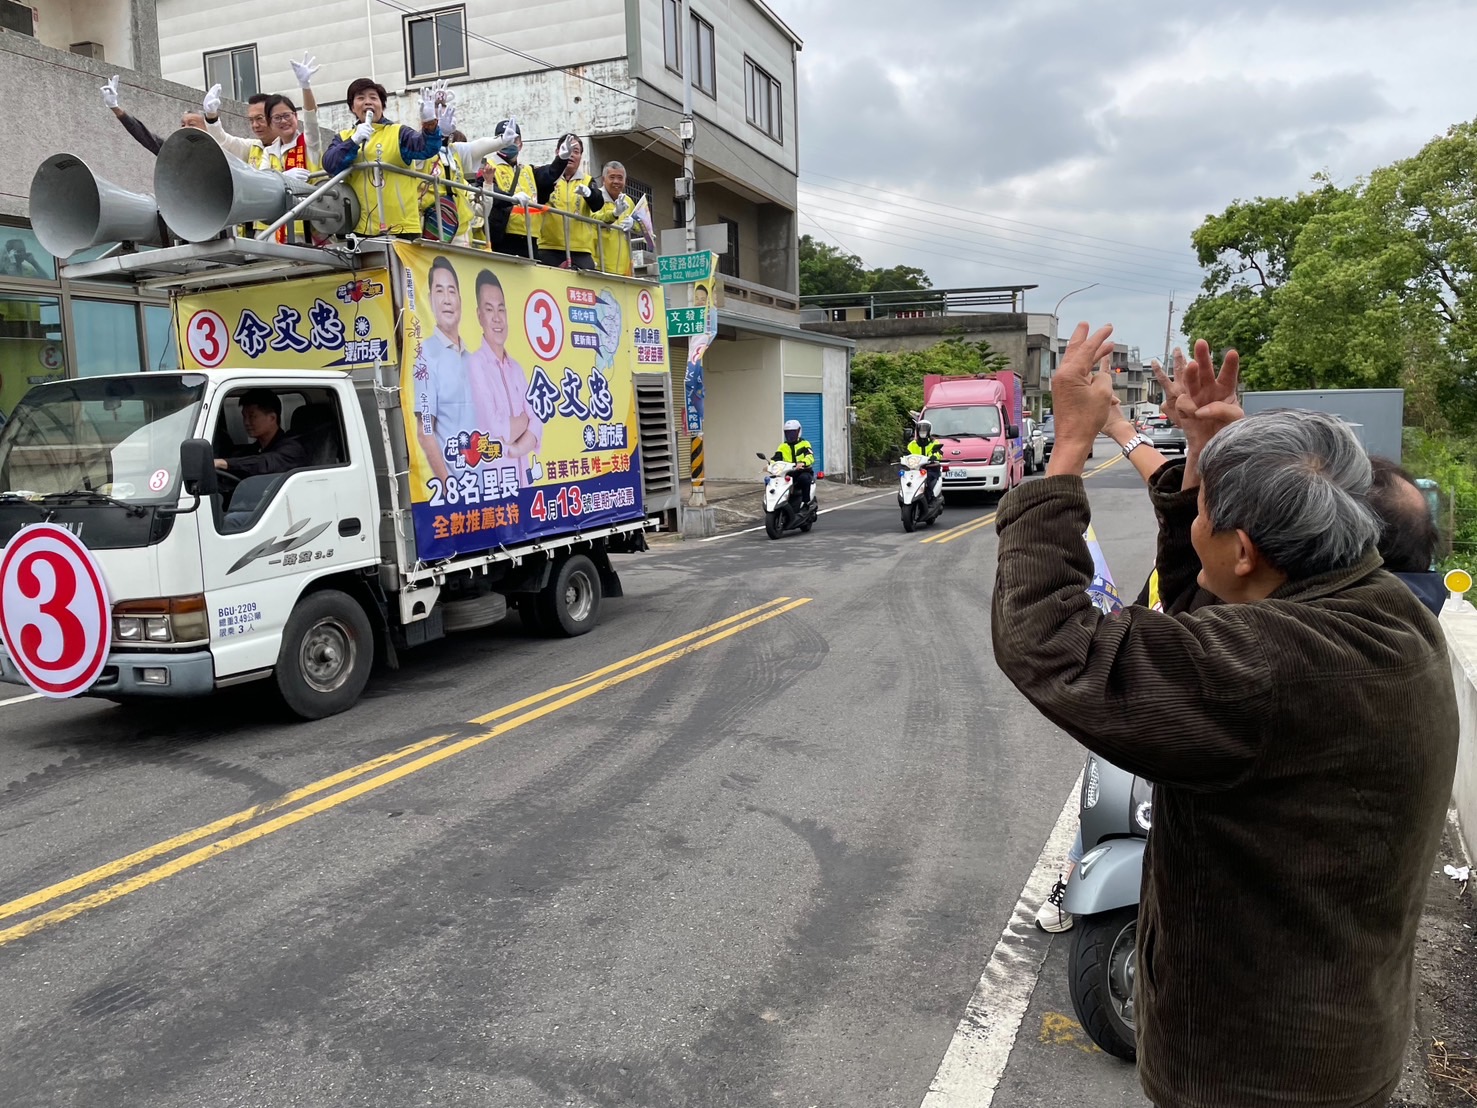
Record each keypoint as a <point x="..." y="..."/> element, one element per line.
<point x="286" y="456"/>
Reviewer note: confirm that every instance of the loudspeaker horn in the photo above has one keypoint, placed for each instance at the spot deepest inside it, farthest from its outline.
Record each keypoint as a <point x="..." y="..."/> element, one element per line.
<point x="73" y="208"/>
<point x="202" y="190"/>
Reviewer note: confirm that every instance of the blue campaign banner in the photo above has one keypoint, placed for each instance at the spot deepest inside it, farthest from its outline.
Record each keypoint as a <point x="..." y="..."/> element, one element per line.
<point x="1102" y="590"/>
<point x="519" y="401"/>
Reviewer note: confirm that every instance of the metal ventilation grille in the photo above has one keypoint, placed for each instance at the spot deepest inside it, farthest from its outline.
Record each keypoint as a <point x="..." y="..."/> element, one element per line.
<point x="658" y="447"/>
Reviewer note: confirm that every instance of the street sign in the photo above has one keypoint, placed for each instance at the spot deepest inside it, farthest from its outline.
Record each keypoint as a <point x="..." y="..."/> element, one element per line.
<point x="686" y="321"/>
<point x="684" y="269"/>
<point x="55" y="616"/>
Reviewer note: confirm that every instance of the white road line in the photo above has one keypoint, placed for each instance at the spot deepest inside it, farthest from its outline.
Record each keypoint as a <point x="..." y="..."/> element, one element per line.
<point x="20" y="699"/>
<point x="977" y="1055"/>
<point x="823" y="511"/>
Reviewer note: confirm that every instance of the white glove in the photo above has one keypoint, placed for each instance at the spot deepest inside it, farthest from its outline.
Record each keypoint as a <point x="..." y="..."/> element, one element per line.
<point x="624" y="224"/>
<point x="446" y="116"/>
<point x="523" y="200"/>
<point x="583" y="191"/>
<point x="296" y="174"/>
<point x="429" y="96"/>
<point x="364" y="132"/>
<point x="509" y="134"/>
<point x="305" y="70"/>
<point x="564" y="147"/>
<point x="211" y="105"/>
<point x="110" y="93"/>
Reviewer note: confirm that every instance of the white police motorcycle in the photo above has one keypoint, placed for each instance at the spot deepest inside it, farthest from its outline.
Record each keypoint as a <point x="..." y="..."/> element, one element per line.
<point x="920" y="494"/>
<point x="781" y="513"/>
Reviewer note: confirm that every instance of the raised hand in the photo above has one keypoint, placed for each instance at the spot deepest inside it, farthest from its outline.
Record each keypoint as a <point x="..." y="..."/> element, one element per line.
<point x="304" y="70"/>
<point x="1080" y="399"/>
<point x="212" y="102"/>
<point x="110" y="93"/>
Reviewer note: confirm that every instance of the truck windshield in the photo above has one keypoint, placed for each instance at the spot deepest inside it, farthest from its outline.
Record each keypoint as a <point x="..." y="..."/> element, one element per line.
<point x="982" y="422"/>
<point x="107" y="437"/>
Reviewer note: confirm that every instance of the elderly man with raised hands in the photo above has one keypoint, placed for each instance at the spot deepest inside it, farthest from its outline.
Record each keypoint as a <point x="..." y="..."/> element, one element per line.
<point x="1301" y="736"/>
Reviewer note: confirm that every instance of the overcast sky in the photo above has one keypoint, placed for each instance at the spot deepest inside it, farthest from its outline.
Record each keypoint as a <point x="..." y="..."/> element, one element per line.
<point x="1062" y="142"/>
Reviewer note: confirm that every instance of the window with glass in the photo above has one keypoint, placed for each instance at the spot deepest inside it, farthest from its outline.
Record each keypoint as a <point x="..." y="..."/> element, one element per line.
<point x="21" y="255"/>
<point x="762" y="101"/>
<point x="436" y="43"/>
<point x="235" y="70"/>
<point x="704" y="58"/>
<point x="32" y="351"/>
<point x="106" y="336"/>
<point x="161" y="349"/>
<point x="671" y="35"/>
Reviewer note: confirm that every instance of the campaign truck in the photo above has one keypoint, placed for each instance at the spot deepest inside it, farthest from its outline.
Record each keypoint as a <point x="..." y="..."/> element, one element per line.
<point x="978" y="420"/>
<point x="361" y="450"/>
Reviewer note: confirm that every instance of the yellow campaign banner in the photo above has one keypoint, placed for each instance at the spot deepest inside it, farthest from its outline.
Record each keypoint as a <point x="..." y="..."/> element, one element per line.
<point x="330" y="322"/>
<point x="517" y="388"/>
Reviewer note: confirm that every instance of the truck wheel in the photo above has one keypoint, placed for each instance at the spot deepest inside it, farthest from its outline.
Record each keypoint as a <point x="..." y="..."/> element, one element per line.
<point x="326" y="655"/>
<point x="571" y="601"/>
<point x="1100" y="972"/>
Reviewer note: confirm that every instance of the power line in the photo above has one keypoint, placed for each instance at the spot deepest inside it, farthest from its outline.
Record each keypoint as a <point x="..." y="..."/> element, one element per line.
<point x="987" y="259"/>
<point x="1089" y="253"/>
<point x="1038" y="266"/>
<point x="1001" y="218"/>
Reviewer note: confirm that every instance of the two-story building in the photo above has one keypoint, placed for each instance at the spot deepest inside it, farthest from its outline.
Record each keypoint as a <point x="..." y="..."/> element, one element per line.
<point x="612" y="72"/>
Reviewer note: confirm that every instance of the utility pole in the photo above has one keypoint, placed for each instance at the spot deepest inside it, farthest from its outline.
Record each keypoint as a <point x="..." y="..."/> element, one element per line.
<point x="686" y="43"/>
<point x="1168" y="330"/>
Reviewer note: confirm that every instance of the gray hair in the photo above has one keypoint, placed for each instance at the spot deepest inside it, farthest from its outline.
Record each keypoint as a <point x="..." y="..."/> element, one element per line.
<point x="612" y="165"/>
<point x="1295" y="481"/>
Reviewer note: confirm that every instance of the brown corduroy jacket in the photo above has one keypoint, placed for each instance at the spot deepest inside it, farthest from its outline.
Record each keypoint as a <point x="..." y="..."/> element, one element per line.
<point x="1302" y="750"/>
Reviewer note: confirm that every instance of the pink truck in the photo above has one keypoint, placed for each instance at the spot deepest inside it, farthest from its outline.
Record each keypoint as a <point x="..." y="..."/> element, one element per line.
<point x="978" y="420"/>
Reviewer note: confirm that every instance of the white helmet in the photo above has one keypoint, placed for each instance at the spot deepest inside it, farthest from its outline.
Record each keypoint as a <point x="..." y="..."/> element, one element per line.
<point x="792" y="430"/>
<point x="924" y="428"/>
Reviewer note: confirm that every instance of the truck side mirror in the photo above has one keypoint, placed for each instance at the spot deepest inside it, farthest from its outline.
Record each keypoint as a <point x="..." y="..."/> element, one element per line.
<point x="1013" y="431"/>
<point x="197" y="467"/>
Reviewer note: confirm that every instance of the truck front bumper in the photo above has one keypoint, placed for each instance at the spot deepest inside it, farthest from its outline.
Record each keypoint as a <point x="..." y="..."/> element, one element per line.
<point x="974" y="478"/>
<point x="130" y="674"/>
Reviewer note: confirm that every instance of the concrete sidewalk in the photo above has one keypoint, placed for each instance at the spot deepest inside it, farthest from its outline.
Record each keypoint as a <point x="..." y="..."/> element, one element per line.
<point x="737" y="505"/>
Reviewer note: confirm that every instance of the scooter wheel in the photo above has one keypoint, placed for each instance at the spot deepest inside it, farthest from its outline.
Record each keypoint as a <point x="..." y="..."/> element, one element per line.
<point x="774" y="524"/>
<point x="910" y="520"/>
<point x="1100" y="972"/>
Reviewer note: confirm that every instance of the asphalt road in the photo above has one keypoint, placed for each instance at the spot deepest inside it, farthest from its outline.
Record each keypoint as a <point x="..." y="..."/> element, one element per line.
<point x="763" y="864"/>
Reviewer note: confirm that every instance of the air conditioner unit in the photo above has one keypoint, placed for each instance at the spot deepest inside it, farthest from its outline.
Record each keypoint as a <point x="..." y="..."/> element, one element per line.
<point x="93" y="50"/>
<point x="20" y="18"/>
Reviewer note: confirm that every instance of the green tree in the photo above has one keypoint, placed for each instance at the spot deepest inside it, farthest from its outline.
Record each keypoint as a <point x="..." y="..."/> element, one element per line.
<point x="1380" y="293"/>
<point x="1247" y="252"/>
<point x="886" y="388"/>
<point x="826" y="270"/>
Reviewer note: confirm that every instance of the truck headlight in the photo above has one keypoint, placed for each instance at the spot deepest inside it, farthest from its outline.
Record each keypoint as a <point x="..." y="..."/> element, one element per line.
<point x="998" y="458"/>
<point x="171" y="619"/>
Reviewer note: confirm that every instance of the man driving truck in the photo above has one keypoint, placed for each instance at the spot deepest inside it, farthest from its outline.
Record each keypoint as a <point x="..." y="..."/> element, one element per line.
<point x="271" y="450"/>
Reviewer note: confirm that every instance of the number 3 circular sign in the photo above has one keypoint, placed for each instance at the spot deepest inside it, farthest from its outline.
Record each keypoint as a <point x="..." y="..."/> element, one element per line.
<point x="55" y="616"/>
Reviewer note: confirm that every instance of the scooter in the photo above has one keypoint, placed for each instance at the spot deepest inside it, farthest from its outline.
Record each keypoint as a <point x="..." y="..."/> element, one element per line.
<point x="914" y="476"/>
<point x="780" y="515"/>
<point x="1116" y="810"/>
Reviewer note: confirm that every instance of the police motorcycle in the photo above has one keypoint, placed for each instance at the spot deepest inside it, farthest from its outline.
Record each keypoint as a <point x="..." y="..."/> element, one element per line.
<point x="781" y="514"/>
<point x="920" y="494"/>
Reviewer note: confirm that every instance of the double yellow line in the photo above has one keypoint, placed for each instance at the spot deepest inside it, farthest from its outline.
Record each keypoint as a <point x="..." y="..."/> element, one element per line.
<point x="365" y="777"/>
<point x="984" y="521"/>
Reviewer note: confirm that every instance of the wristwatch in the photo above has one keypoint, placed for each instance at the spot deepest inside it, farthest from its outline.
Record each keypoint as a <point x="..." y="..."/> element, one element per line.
<point x="1134" y="443"/>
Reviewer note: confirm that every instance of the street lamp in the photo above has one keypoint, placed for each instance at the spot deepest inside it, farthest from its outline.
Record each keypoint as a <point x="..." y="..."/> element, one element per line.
<point x="1074" y="292"/>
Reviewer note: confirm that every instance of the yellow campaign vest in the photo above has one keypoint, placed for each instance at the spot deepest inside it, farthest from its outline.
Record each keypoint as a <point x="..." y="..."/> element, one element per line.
<point x="615" y="243"/>
<point x="565" y="199"/>
<point x="519" y="224"/>
<point x="401" y="196"/>
<point x="447" y="163"/>
<point x="295" y="157"/>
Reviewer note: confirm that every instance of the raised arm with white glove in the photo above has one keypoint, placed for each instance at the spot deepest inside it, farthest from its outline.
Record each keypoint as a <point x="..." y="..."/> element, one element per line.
<point x="110" y="93"/>
<point x="211" y="105"/>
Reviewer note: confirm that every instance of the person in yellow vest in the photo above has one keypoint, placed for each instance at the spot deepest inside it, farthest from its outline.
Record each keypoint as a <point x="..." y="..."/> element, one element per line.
<point x="619" y="212"/>
<point x="394" y="208"/>
<point x="515" y="222"/>
<point x="248" y="150"/>
<point x="452" y="214"/>
<point x="573" y="192"/>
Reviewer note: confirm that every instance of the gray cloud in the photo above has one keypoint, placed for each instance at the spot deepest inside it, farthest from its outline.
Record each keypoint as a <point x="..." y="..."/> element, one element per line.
<point x="1129" y="121"/>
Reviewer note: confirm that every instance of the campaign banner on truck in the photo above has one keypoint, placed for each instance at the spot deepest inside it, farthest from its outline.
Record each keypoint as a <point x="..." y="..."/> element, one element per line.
<point x="1101" y="590"/>
<point x="517" y="389"/>
<point x="332" y="322"/>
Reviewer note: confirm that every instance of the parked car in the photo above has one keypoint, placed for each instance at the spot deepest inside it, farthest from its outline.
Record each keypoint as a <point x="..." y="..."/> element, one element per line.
<point x="1165" y="435"/>
<point x="1033" y="445"/>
